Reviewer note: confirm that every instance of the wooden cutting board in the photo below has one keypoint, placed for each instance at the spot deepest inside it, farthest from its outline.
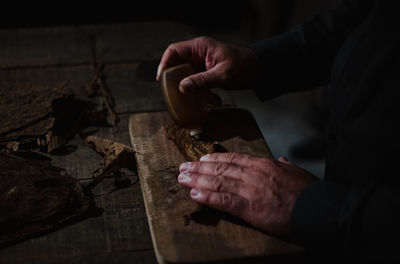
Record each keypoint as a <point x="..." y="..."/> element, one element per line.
<point x="182" y="231"/>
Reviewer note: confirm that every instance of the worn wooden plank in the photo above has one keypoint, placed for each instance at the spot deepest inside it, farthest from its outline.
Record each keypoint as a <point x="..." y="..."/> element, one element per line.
<point x="26" y="55"/>
<point x="43" y="46"/>
<point x="133" y="85"/>
<point x="131" y="93"/>
<point x="177" y="236"/>
<point x="145" y="256"/>
<point x="137" y="41"/>
<point x="75" y="77"/>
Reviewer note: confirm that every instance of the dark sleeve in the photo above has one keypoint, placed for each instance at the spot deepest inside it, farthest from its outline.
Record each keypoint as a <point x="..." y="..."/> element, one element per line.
<point x="302" y="58"/>
<point x="338" y="220"/>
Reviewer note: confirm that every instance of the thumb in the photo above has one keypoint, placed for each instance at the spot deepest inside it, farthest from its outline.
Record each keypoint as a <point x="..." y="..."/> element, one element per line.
<point x="201" y="80"/>
<point x="284" y="160"/>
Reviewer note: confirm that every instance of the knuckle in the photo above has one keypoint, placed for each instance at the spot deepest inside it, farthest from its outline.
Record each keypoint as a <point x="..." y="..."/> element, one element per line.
<point x="233" y="156"/>
<point x="207" y="197"/>
<point x="235" y="186"/>
<point x="217" y="183"/>
<point x="194" y="179"/>
<point x="273" y="181"/>
<point x="205" y="38"/>
<point x="171" y="47"/>
<point x="195" y="166"/>
<point x="199" y="79"/>
<point x="247" y="158"/>
<point x="226" y="200"/>
<point x="220" y="168"/>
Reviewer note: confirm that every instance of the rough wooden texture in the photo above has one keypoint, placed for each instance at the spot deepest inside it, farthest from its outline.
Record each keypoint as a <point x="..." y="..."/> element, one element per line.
<point x="130" y="52"/>
<point x="131" y="93"/>
<point x="74" y="77"/>
<point x="179" y="234"/>
<point x="137" y="41"/>
<point x="43" y="46"/>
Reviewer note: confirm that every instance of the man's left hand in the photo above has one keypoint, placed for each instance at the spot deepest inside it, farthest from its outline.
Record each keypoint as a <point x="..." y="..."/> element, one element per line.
<point x="261" y="191"/>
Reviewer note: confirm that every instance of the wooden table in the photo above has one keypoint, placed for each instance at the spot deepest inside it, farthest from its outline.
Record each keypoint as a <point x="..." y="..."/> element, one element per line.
<point x="130" y="53"/>
<point x="54" y="55"/>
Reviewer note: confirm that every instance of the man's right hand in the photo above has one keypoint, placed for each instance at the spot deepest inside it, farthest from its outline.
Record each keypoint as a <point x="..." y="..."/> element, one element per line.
<point x="219" y="64"/>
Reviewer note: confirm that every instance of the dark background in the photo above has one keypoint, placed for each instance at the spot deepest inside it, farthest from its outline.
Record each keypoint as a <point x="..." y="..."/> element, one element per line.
<point x="269" y="16"/>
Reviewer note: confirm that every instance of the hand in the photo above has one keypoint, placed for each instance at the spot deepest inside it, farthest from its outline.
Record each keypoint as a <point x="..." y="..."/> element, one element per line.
<point x="260" y="191"/>
<point x="221" y="65"/>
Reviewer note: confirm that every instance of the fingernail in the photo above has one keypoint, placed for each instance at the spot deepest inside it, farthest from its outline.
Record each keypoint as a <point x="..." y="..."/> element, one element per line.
<point x="195" y="193"/>
<point x="184" y="167"/>
<point x="184" y="177"/>
<point x="187" y="85"/>
<point x="158" y="72"/>
<point x="205" y="158"/>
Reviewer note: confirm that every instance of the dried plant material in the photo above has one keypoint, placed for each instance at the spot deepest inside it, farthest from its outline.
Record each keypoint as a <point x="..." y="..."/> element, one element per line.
<point x="116" y="156"/>
<point x="191" y="148"/>
<point x="26" y="110"/>
<point x="52" y="142"/>
<point x="45" y="116"/>
<point x="12" y="146"/>
<point x="36" y="197"/>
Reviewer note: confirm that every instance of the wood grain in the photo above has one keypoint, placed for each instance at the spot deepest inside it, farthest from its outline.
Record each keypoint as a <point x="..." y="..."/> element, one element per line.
<point x="137" y="41"/>
<point x="179" y="234"/>
<point x="50" y="56"/>
<point x="43" y="46"/>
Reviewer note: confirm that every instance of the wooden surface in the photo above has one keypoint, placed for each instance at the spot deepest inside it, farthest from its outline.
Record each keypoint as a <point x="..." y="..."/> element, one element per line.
<point x="207" y="235"/>
<point x="55" y="55"/>
<point x="58" y="54"/>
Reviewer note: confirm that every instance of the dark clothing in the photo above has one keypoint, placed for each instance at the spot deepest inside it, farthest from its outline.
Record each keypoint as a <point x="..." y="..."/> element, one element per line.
<point x="356" y="51"/>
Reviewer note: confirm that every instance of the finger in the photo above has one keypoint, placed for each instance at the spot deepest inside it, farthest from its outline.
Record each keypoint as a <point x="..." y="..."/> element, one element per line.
<point x="216" y="169"/>
<point x="226" y="202"/>
<point x="202" y="80"/>
<point x="212" y="183"/>
<point x="234" y="158"/>
<point x="175" y="54"/>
